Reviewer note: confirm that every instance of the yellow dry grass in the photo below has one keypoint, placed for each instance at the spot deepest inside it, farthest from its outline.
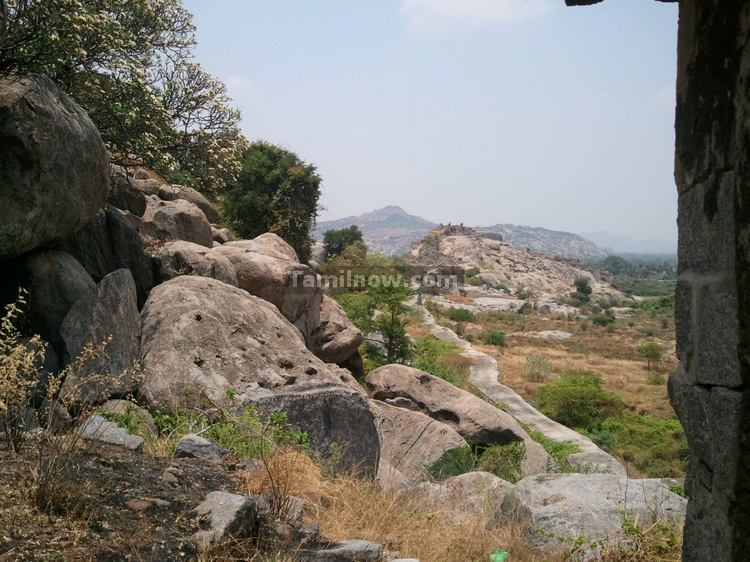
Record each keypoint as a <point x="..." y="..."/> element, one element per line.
<point x="347" y="507"/>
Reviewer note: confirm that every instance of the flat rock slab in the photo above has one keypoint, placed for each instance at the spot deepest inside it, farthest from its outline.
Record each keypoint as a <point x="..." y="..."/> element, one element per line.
<point x="96" y="428"/>
<point x="553" y="335"/>
<point x="197" y="447"/>
<point x="349" y="551"/>
<point x="223" y="514"/>
<point x="569" y="506"/>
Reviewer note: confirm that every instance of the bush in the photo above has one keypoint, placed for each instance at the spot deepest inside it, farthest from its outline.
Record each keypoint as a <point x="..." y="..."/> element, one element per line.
<point x="453" y="463"/>
<point x="504" y="461"/>
<point x="460" y="315"/>
<point x="602" y="319"/>
<point x="493" y="336"/>
<point x="537" y="368"/>
<point x="578" y="400"/>
<point x="441" y="359"/>
<point x="655" y="378"/>
<point x="558" y="450"/>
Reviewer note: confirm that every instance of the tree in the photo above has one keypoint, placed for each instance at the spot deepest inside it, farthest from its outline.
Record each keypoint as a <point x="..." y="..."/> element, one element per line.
<point x="583" y="289"/>
<point x="128" y="63"/>
<point x="650" y="351"/>
<point x="336" y="241"/>
<point x="275" y="192"/>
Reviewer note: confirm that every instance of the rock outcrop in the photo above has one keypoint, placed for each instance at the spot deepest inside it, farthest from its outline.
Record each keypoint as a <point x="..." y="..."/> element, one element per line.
<point x="336" y="338"/>
<point x="175" y="220"/>
<point x="174" y="192"/>
<point x="267" y="267"/>
<point x="412" y="442"/>
<point x="474" y="419"/>
<point x="186" y="258"/>
<point x="54" y="169"/>
<point x="107" y="314"/>
<point x="202" y="335"/>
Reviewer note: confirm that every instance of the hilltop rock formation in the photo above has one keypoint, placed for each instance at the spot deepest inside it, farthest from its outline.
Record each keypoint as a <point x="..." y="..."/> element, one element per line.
<point x="203" y="336"/>
<point x="54" y="169"/>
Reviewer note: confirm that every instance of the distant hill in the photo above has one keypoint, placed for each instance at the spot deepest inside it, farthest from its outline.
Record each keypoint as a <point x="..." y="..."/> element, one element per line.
<point x="619" y="244"/>
<point x="549" y="242"/>
<point x="391" y="230"/>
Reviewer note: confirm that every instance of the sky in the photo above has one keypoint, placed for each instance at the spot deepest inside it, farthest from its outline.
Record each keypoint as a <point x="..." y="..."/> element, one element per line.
<point x="473" y="111"/>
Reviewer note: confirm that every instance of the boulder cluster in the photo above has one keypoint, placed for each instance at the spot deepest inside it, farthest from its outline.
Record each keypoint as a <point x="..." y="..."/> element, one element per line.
<point x="189" y="314"/>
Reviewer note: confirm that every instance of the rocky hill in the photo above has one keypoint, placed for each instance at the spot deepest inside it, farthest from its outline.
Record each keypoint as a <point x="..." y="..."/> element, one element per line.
<point x="391" y="230"/>
<point x="502" y="265"/>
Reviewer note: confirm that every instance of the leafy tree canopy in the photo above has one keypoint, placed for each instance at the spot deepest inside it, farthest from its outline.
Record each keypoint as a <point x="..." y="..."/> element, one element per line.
<point x="336" y="241"/>
<point x="129" y="64"/>
<point x="276" y="192"/>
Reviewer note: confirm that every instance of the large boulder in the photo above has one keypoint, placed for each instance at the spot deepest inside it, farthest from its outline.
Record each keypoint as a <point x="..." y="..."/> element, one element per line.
<point x="173" y="192"/>
<point x="570" y="506"/>
<point x="55" y="281"/>
<point x="175" y="220"/>
<point x="267" y="267"/>
<point x="109" y="313"/>
<point x="54" y="169"/>
<point x="124" y="195"/>
<point x="412" y="442"/>
<point x="477" y="421"/>
<point x="471" y="496"/>
<point x="202" y="336"/>
<point x="186" y="258"/>
<point x="109" y="243"/>
<point x="335" y="339"/>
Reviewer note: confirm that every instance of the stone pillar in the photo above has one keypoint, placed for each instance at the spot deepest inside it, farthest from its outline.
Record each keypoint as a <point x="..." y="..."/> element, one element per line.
<point x="711" y="389"/>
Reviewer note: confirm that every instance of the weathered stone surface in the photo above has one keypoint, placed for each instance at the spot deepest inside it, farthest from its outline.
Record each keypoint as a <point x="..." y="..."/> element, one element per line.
<point x="96" y="428"/>
<point x="139" y="417"/>
<point x="175" y="220"/>
<point x="467" y="496"/>
<point x="174" y="192"/>
<point x="221" y="235"/>
<point x="267" y="267"/>
<point x="349" y="551"/>
<point x="412" y="442"/>
<point x="109" y="312"/>
<point x="108" y="243"/>
<point x="124" y="195"/>
<point x="474" y="419"/>
<point x="55" y="281"/>
<point x="568" y="506"/>
<point x="224" y="515"/>
<point x="186" y="258"/>
<point x="54" y="171"/>
<point x="197" y="447"/>
<point x="201" y="335"/>
<point x="336" y="339"/>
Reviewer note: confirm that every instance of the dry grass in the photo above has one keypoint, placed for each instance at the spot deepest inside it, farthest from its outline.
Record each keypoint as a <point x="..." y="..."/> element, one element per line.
<point x="349" y="508"/>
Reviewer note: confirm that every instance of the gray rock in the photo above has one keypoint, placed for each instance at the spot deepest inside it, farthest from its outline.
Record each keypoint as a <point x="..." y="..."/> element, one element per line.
<point x="54" y="171"/>
<point x="223" y="515"/>
<point x="348" y="551"/>
<point x="110" y="242"/>
<point x="186" y="258"/>
<point x="175" y="220"/>
<point x="55" y="281"/>
<point x="336" y="338"/>
<point x="174" y="192"/>
<point x="203" y="336"/>
<point x="197" y="447"/>
<point x="124" y="195"/>
<point x="96" y="428"/>
<point x="267" y="267"/>
<point x="139" y="417"/>
<point x="108" y="312"/>
<point x="412" y="442"/>
<point x="474" y="419"/>
<point x="568" y="506"/>
<point x="221" y="235"/>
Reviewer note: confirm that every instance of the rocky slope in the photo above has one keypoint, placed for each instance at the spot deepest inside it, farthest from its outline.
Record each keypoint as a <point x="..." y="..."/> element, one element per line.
<point x="502" y="265"/>
<point x="391" y="230"/>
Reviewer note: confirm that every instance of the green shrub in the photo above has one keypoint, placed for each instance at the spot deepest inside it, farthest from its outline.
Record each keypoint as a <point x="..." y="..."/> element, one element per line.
<point x="558" y="450"/>
<point x="441" y="359"/>
<point x="602" y="319"/>
<point x="453" y="463"/>
<point x="578" y="400"/>
<point x="655" y="378"/>
<point x="537" y="368"/>
<point x="493" y="336"/>
<point x="504" y="461"/>
<point x="461" y="315"/>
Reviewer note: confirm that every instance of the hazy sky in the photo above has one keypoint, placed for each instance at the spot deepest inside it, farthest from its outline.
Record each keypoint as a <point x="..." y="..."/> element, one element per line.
<point x="474" y="111"/>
